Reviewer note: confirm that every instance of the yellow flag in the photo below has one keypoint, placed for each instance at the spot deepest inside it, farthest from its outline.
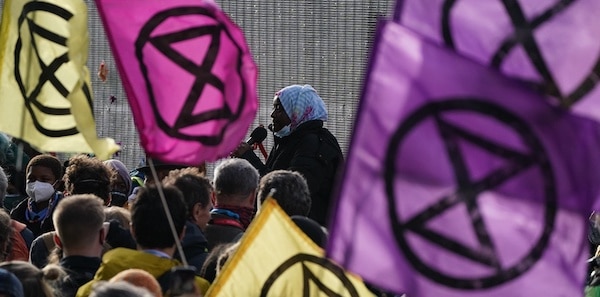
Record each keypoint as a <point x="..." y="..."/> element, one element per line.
<point x="45" y="90"/>
<point x="275" y="258"/>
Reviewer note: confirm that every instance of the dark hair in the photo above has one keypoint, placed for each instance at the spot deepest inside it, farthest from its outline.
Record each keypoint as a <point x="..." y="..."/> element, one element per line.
<point x="88" y="175"/>
<point x="5" y="233"/>
<point x="148" y="218"/>
<point x="48" y="161"/>
<point x="192" y="182"/>
<point x="291" y="191"/>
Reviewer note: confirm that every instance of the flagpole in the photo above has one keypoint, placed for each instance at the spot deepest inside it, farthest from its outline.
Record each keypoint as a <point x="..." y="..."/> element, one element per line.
<point x="167" y="212"/>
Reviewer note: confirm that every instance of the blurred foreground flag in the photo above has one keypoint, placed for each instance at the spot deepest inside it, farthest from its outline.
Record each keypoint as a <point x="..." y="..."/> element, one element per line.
<point x="275" y="258"/>
<point x="188" y="73"/>
<point x="45" y="92"/>
<point x="552" y="44"/>
<point x="473" y="185"/>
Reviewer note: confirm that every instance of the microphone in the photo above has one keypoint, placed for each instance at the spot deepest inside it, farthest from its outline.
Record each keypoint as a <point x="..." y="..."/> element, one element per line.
<point x="257" y="136"/>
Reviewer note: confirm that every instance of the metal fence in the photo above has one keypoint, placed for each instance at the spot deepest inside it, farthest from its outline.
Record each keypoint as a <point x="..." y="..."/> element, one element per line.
<point x="322" y="43"/>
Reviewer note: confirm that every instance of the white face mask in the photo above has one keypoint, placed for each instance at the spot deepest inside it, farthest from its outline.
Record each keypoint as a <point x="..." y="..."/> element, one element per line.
<point x="39" y="191"/>
<point x="285" y="131"/>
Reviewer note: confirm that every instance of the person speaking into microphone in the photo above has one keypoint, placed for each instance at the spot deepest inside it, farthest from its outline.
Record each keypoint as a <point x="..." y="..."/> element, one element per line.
<point x="302" y="144"/>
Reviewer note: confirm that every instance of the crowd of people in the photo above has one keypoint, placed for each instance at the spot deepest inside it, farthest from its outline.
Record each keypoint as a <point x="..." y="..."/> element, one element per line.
<point x="86" y="227"/>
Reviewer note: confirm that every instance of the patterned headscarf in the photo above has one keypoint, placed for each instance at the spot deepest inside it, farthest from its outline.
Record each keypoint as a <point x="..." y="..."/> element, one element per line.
<point x="302" y="104"/>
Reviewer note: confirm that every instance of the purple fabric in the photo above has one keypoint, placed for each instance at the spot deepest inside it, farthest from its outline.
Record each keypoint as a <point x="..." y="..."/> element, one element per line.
<point x="556" y="48"/>
<point x="188" y="73"/>
<point x="122" y="171"/>
<point x="472" y="184"/>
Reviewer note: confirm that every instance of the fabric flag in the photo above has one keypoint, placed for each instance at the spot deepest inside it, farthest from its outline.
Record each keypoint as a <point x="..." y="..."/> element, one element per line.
<point x="275" y="258"/>
<point x="188" y="73"/>
<point x="473" y="185"/>
<point x="46" y="92"/>
<point x="554" y="45"/>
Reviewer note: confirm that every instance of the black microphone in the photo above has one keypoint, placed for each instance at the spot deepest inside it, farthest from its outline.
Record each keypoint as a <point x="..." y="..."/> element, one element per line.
<point x="257" y="136"/>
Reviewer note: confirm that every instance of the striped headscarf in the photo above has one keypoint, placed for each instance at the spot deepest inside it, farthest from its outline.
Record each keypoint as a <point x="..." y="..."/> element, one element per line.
<point x="302" y="104"/>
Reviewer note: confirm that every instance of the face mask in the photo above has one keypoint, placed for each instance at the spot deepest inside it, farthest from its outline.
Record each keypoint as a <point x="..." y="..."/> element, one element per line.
<point x="39" y="191"/>
<point x="117" y="199"/>
<point x="285" y="131"/>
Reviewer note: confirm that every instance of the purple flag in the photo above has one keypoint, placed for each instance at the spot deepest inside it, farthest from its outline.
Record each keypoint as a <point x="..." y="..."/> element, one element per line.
<point x="188" y="73"/>
<point x="472" y="185"/>
<point x="552" y="44"/>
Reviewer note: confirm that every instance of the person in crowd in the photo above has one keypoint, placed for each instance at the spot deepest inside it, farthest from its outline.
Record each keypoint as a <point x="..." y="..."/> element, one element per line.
<point x="291" y="191"/>
<point x="198" y="191"/>
<point x="6" y="232"/>
<point x="43" y="175"/>
<point x="36" y="282"/>
<point x="302" y="144"/>
<point x="119" y="289"/>
<point x="216" y="260"/>
<point x="10" y="286"/>
<point x="139" y="278"/>
<point x="81" y="234"/>
<point x="88" y="175"/>
<point x="235" y="182"/>
<point x="120" y="188"/>
<point x="119" y="214"/>
<point x="20" y="237"/>
<point x="84" y="175"/>
<point x="292" y="195"/>
<point x="156" y="242"/>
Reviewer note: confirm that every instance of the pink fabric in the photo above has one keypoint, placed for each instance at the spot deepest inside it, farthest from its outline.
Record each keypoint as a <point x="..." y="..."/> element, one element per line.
<point x="188" y="73"/>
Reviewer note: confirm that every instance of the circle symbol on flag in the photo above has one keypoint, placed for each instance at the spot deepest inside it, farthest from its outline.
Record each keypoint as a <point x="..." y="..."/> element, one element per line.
<point x="308" y="266"/>
<point x="26" y="51"/>
<point x="499" y="174"/>
<point x="525" y="33"/>
<point x="208" y="88"/>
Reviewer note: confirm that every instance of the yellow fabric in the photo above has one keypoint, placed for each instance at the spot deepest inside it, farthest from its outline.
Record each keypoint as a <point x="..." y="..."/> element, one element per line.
<point x="275" y="258"/>
<point x="44" y="82"/>
<point x="120" y="259"/>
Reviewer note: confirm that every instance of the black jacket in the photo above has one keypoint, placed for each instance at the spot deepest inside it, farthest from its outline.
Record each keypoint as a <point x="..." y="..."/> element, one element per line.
<point x="315" y="153"/>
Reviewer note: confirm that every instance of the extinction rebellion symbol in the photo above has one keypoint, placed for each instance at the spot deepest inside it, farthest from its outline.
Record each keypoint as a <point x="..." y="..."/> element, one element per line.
<point x="530" y="159"/>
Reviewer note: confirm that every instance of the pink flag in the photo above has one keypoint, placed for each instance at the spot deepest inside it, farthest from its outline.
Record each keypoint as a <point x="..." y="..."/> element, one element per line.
<point x="188" y="73"/>
<point x="472" y="186"/>
<point x="552" y="44"/>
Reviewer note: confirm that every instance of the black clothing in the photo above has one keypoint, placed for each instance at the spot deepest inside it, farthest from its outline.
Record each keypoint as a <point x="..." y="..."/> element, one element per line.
<point x="315" y="153"/>
<point x="37" y="227"/>
<point x="195" y="246"/>
<point x="80" y="270"/>
<point x="222" y="229"/>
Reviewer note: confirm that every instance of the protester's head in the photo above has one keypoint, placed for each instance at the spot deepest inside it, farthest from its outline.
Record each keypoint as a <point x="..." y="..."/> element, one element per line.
<point x="88" y="175"/>
<point x="197" y="189"/>
<point x="5" y="234"/>
<point x="120" y="187"/>
<point x="119" y="214"/>
<point x="43" y="174"/>
<point x="235" y="182"/>
<point x="215" y="260"/>
<point x="3" y="186"/>
<point x="291" y="191"/>
<point x="118" y="289"/>
<point x="10" y="286"/>
<point x="312" y="229"/>
<point x="295" y="105"/>
<point x="139" y="278"/>
<point x="79" y="224"/>
<point x="149" y="221"/>
<point x="36" y="282"/>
